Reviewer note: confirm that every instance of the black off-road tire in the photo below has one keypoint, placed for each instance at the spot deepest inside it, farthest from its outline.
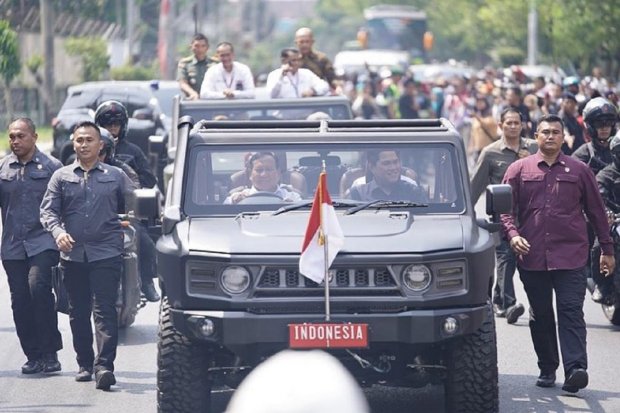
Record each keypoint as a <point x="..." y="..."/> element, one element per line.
<point x="472" y="381"/>
<point x="183" y="383"/>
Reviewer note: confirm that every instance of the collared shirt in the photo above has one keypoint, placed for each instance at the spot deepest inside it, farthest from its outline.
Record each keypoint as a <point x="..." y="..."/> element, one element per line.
<point x="21" y="191"/>
<point x="293" y="86"/>
<point x="548" y="211"/>
<point x="402" y="191"/>
<point x="217" y="79"/>
<point x="493" y="162"/>
<point x="320" y="64"/>
<point x="193" y="71"/>
<point x="285" y="192"/>
<point x="86" y="204"/>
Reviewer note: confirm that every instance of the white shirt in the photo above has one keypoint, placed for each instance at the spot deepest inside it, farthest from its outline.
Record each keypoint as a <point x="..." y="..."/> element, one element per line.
<point x="293" y="86"/>
<point x="217" y="79"/>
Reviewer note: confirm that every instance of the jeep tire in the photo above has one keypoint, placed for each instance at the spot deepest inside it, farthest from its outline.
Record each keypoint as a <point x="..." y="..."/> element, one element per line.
<point x="471" y="384"/>
<point x="183" y="382"/>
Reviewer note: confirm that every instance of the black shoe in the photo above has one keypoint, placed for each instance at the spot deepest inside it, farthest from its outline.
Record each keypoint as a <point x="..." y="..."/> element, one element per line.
<point x="51" y="363"/>
<point x="546" y="380"/>
<point x="499" y="311"/>
<point x="577" y="379"/>
<point x="514" y="312"/>
<point x="85" y="374"/>
<point x="105" y="379"/>
<point x="150" y="293"/>
<point x="32" y="367"/>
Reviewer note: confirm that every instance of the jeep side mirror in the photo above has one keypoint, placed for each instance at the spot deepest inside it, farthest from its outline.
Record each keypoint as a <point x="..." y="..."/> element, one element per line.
<point x="147" y="204"/>
<point x="499" y="201"/>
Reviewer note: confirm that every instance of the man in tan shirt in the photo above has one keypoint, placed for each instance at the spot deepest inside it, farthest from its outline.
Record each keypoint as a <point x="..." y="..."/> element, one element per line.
<point x="490" y="169"/>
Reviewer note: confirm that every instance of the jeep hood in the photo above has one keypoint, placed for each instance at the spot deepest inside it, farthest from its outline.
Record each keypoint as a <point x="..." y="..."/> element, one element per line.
<point x="366" y="232"/>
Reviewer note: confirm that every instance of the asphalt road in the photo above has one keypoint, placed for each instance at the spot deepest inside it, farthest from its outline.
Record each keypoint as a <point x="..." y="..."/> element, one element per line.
<point x="136" y="373"/>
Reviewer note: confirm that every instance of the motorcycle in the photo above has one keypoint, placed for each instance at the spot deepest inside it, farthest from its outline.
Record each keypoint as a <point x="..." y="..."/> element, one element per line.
<point x="611" y="306"/>
<point x="129" y="299"/>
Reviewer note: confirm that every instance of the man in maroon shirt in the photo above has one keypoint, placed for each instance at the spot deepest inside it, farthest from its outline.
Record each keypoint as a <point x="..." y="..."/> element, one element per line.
<point x="547" y="231"/>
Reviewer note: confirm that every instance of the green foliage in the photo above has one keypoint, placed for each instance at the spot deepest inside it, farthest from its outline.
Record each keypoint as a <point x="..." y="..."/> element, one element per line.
<point x="9" y="53"/>
<point x="34" y="63"/>
<point x="92" y="51"/>
<point x="510" y="55"/>
<point x="129" y="72"/>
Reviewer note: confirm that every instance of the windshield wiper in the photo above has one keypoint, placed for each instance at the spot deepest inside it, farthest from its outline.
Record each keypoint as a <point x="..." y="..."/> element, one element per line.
<point x="303" y="204"/>
<point x="380" y="203"/>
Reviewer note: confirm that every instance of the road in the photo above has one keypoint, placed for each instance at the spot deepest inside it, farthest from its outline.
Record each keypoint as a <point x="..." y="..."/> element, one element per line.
<point x="136" y="373"/>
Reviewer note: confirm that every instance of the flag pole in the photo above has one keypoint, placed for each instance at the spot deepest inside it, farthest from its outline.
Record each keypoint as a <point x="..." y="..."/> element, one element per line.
<point x="326" y="255"/>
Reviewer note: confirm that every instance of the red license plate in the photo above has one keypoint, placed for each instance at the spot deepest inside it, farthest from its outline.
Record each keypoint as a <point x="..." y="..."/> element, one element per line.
<point x="328" y="335"/>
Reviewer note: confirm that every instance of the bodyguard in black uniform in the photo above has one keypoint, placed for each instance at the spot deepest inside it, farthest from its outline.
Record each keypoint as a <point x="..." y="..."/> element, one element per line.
<point x="28" y="251"/>
<point x="80" y="209"/>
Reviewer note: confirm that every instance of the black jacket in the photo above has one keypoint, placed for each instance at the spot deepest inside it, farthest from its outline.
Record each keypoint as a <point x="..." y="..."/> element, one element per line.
<point x="132" y="155"/>
<point x="595" y="155"/>
<point x="608" y="180"/>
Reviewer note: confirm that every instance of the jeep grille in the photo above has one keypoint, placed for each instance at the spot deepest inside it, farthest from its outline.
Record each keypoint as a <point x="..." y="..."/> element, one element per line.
<point x="362" y="281"/>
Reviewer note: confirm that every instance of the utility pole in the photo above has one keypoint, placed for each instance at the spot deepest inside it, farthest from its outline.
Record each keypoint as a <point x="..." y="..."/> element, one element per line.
<point x="47" y="40"/>
<point x="532" y="34"/>
<point x="129" y="31"/>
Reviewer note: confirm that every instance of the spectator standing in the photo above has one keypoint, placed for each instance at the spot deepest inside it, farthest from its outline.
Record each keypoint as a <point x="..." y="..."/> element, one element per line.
<point x="547" y="231"/>
<point x="191" y="69"/>
<point x="80" y="209"/>
<point x="407" y="103"/>
<point x="573" y="137"/>
<point x="492" y="164"/>
<point x="483" y="127"/>
<point x="312" y="59"/>
<point x="28" y="251"/>
<point x="291" y="81"/>
<point x="228" y="79"/>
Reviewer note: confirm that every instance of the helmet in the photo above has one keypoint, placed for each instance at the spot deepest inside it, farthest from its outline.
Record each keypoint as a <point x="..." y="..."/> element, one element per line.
<point x="108" y="145"/>
<point x="599" y="109"/>
<point x="570" y="81"/>
<point x="112" y="111"/>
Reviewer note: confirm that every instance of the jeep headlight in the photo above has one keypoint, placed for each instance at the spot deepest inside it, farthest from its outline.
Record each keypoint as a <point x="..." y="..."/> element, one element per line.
<point x="417" y="277"/>
<point x="235" y="279"/>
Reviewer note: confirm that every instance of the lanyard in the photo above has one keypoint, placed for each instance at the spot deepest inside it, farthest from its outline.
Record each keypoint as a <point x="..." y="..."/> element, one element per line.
<point x="295" y="84"/>
<point x="232" y="77"/>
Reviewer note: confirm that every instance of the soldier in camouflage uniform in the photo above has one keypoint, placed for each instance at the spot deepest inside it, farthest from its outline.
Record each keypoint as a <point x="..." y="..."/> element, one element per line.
<point x="314" y="60"/>
<point x="192" y="69"/>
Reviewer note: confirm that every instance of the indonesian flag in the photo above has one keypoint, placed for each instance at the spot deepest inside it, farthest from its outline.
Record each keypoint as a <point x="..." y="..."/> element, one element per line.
<point x="323" y="233"/>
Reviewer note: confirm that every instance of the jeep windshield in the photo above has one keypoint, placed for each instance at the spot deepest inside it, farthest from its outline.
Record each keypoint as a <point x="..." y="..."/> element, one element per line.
<point x="228" y="180"/>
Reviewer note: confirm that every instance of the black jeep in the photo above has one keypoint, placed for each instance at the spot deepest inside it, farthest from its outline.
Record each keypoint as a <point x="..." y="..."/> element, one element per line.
<point x="409" y="291"/>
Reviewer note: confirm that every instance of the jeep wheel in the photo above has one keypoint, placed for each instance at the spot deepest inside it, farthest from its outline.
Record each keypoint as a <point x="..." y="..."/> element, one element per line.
<point x="472" y="381"/>
<point x="183" y="384"/>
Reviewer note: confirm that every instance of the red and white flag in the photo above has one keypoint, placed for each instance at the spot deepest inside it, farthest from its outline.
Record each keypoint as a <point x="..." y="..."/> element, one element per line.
<point x="323" y="232"/>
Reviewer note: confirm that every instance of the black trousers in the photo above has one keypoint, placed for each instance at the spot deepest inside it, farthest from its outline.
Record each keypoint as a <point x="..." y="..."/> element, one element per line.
<point x="505" y="265"/>
<point x="147" y="254"/>
<point x="32" y="302"/>
<point x="93" y="287"/>
<point x="570" y="289"/>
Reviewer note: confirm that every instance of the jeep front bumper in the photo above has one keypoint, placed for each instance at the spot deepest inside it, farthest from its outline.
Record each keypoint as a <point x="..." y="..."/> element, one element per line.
<point x="239" y="331"/>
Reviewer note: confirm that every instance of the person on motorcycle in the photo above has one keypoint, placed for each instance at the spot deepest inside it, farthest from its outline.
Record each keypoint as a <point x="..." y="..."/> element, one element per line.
<point x="106" y="155"/>
<point x="600" y="117"/>
<point x="610" y="191"/>
<point x="112" y="116"/>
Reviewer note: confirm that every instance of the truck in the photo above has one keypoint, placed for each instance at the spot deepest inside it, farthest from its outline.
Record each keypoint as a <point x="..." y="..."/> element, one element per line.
<point x="392" y="36"/>
<point x="409" y="292"/>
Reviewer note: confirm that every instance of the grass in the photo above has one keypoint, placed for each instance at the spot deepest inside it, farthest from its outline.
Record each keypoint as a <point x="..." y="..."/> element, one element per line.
<point x="45" y="138"/>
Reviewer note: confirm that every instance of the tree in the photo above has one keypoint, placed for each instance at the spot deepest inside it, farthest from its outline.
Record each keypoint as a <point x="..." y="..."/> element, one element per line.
<point x="93" y="53"/>
<point x="9" y="62"/>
